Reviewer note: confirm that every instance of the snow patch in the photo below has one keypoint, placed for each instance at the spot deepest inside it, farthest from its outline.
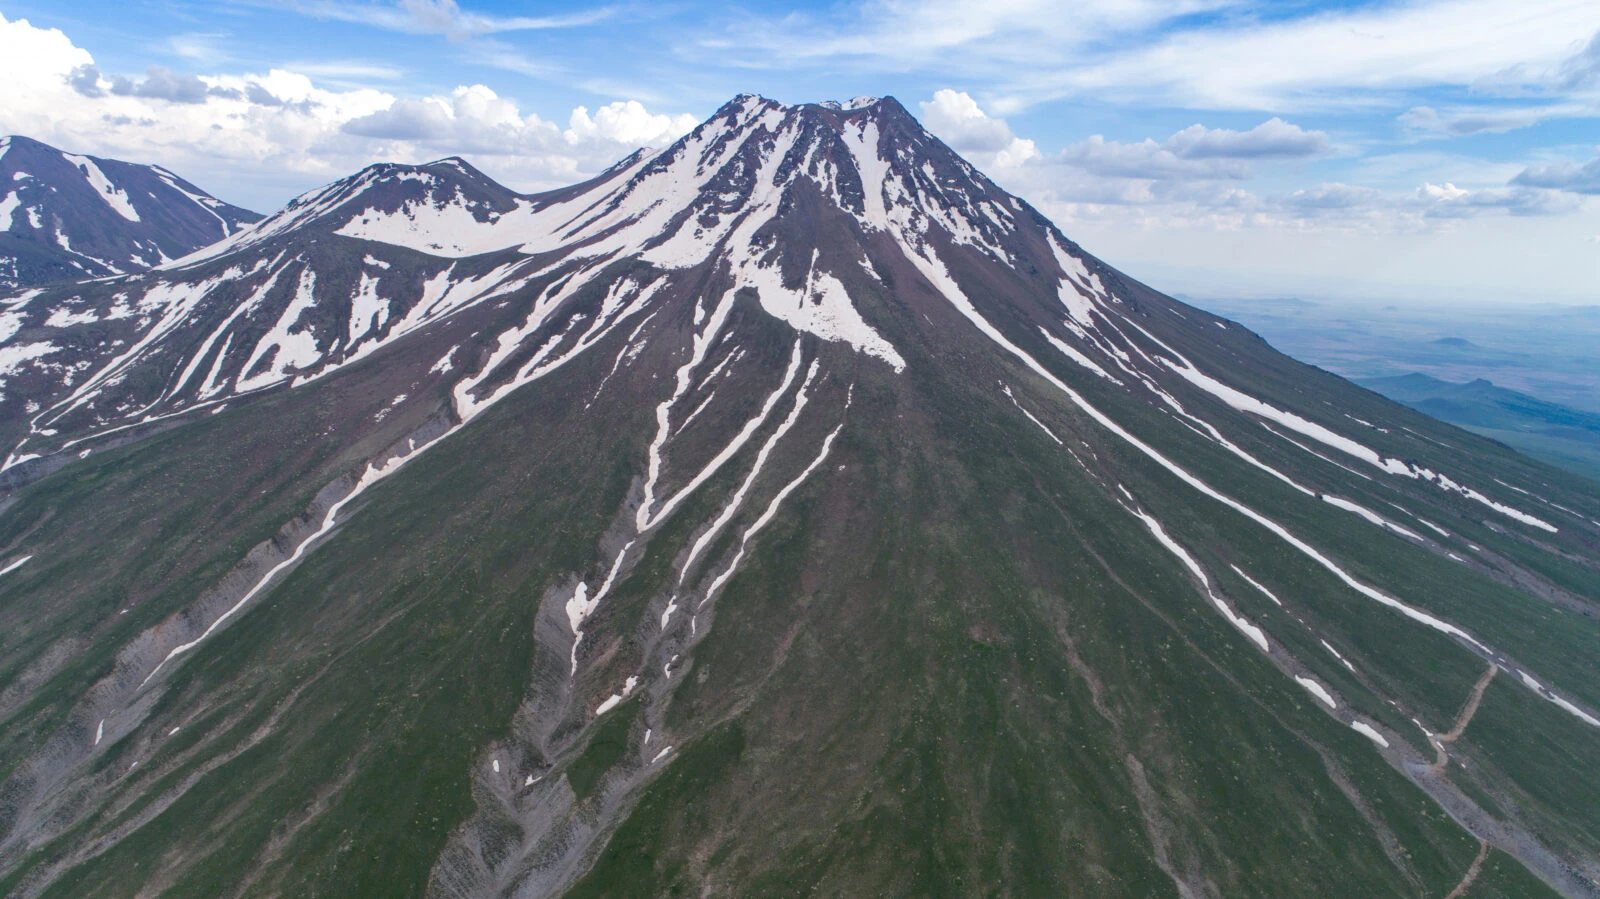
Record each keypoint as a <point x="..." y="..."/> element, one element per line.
<point x="1370" y="732"/>
<point x="1317" y="690"/>
<point x="1256" y="634"/>
<point x="114" y="196"/>
<point x="1252" y="582"/>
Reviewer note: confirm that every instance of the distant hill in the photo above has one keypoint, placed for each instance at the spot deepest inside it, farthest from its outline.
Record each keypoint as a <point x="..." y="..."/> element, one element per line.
<point x="1459" y="342"/>
<point x="65" y="216"/>
<point x="1548" y="431"/>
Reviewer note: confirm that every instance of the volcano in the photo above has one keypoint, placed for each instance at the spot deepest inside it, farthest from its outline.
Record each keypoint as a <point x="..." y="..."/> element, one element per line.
<point x="791" y="511"/>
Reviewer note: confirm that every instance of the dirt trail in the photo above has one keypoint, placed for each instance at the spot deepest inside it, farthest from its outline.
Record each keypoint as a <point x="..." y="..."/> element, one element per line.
<point x="1483" y="846"/>
<point x="1467" y="711"/>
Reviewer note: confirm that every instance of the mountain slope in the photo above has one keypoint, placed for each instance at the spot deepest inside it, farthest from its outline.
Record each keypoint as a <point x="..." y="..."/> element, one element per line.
<point x="789" y="511"/>
<point x="68" y="216"/>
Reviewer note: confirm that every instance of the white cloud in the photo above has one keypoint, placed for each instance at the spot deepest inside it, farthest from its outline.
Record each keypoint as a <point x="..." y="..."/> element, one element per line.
<point x="956" y="119"/>
<point x="34" y="61"/>
<point x="628" y="122"/>
<point x="1080" y="197"/>
<point x="1272" y="139"/>
<point x="1446" y="192"/>
<point x="258" y="139"/>
<point x="1449" y="201"/>
<point x="1196" y="152"/>
<point x="1191" y="180"/>
<point x="1145" y="159"/>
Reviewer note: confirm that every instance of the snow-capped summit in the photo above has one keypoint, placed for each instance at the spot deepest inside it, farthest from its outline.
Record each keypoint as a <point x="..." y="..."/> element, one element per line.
<point x="66" y="216"/>
<point x="851" y="104"/>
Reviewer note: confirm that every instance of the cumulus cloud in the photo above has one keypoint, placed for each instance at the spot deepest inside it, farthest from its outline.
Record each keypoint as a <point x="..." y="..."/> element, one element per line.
<point x="956" y="118"/>
<point x="256" y="93"/>
<point x="628" y="122"/>
<point x="474" y="119"/>
<point x="258" y="139"/>
<point x="85" y="79"/>
<point x="1563" y="176"/>
<point x="160" y="83"/>
<point x="1272" y="139"/>
<point x="472" y="114"/>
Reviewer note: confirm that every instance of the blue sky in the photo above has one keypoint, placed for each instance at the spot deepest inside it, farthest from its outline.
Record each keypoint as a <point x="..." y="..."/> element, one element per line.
<point x="1436" y="151"/>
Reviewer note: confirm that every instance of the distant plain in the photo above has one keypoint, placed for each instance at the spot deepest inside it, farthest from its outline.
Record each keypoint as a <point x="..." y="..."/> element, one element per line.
<point x="1542" y="363"/>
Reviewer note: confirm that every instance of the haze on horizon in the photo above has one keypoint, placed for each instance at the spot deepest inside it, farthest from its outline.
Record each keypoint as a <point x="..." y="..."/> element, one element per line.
<point x="1440" y="150"/>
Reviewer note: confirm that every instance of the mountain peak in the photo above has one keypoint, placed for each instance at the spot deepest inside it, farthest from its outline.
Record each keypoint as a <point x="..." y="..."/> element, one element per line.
<point x="863" y="102"/>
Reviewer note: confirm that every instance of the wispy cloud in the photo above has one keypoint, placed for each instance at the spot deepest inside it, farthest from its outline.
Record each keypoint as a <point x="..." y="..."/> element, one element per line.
<point x="1583" y="69"/>
<point x="348" y="69"/>
<point x="1199" y="54"/>
<point x="202" y="47"/>
<point x="1461" y="121"/>
<point x="1337" y="59"/>
<point x="488" y="51"/>
<point x="943" y="35"/>
<point x="443" y="17"/>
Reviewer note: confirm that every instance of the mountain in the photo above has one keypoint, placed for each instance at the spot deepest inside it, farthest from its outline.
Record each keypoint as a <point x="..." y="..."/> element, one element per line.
<point x="789" y="511"/>
<point x="1560" y="435"/>
<point x="69" y="217"/>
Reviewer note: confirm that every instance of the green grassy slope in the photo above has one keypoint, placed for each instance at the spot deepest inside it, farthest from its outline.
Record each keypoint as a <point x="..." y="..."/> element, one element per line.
<point x="953" y="665"/>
